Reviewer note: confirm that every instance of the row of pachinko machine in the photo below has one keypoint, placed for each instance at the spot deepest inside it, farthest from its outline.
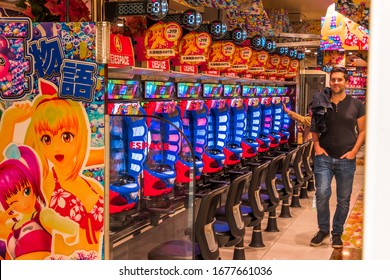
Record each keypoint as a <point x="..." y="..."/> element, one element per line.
<point x="170" y="141"/>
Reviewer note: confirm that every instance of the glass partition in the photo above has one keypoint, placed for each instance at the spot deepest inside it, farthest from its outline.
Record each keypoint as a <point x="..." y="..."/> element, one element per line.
<point x="149" y="204"/>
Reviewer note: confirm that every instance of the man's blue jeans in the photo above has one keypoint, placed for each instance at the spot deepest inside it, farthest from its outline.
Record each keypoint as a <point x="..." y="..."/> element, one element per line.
<point x="325" y="167"/>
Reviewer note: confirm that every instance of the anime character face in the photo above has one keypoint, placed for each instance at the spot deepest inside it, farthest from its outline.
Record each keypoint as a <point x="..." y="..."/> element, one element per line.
<point x="5" y="56"/>
<point x="216" y="48"/>
<point x="4" y="67"/>
<point x="23" y="201"/>
<point x="157" y="38"/>
<point x="157" y="33"/>
<point x="189" y="41"/>
<point x="59" y="148"/>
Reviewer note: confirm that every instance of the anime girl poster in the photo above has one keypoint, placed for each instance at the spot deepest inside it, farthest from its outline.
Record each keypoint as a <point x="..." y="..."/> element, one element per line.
<point x="339" y="32"/>
<point x="356" y="10"/>
<point x="51" y="149"/>
<point x="334" y="58"/>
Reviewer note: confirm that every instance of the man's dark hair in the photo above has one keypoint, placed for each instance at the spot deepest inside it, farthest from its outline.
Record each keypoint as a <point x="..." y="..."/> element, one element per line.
<point x="340" y="70"/>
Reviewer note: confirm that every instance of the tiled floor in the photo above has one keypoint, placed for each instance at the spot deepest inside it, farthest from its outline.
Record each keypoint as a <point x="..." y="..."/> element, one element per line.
<point x="353" y="234"/>
<point x="292" y="242"/>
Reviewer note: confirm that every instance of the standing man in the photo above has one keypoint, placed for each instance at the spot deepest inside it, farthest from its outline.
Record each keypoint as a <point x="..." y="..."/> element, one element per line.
<point x="338" y="130"/>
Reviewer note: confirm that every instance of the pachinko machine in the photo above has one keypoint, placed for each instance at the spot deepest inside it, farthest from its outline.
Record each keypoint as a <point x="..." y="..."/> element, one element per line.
<point x="128" y="133"/>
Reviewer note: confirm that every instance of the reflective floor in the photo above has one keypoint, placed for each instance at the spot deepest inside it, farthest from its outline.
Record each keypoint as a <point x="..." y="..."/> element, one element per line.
<point x="292" y="242"/>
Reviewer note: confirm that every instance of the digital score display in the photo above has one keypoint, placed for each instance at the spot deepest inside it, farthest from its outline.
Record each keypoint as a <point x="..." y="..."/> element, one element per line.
<point x="258" y="42"/>
<point x="249" y="91"/>
<point x="191" y="19"/>
<point x="270" y="46"/>
<point x="271" y="91"/>
<point x="189" y="90"/>
<point x="281" y="91"/>
<point x="212" y="90"/>
<point x="262" y="91"/>
<point x="218" y="29"/>
<point x="231" y="90"/>
<point x="292" y="53"/>
<point x="156" y="9"/>
<point x="239" y="35"/>
<point x="153" y="9"/>
<point x="158" y="90"/>
<point x="283" y="51"/>
<point x="122" y="89"/>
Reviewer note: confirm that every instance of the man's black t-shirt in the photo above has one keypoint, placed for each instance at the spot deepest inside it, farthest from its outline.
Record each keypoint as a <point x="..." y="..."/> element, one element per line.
<point x="342" y="131"/>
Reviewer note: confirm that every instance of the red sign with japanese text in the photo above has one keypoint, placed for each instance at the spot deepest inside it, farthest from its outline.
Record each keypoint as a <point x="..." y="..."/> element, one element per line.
<point x="121" y="51"/>
<point x="258" y="62"/>
<point x="283" y="67"/>
<point x="220" y="55"/>
<point x="241" y="58"/>
<point x="160" y="44"/>
<point x="272" y="65"/>
<point x="293" y="69"/>
<point x="193" y="49"/>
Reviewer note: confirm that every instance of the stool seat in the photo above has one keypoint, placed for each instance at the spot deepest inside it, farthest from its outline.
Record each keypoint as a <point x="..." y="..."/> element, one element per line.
<point x="205" y="246"/>
<point x="220" y="226"/>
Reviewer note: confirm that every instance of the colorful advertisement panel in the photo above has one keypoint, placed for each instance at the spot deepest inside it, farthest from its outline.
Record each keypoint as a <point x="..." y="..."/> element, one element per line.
<point x="51" y="148"/>
<point x="356" y="10"/>
<point x="334" y="58"/>
<point x="339" y="32"/>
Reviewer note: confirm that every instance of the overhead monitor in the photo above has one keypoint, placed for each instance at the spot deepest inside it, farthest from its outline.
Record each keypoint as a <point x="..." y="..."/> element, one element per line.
<point x="189" y="90"/>
<point x="212" y="90"/>
<point x="248" y="91"/>
<point x="231" y="90"/>
<point x="158" y="89"/>
<point x="122" y="89"/>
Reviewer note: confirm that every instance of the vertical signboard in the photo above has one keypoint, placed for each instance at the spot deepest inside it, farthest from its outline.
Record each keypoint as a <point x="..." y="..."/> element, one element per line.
<point x="51" y="145"/>
<point x="339" y="32"/>
<point x="356" y="10"/>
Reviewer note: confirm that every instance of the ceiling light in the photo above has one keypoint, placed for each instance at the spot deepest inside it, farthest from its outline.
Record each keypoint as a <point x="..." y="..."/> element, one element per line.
<point x="307" y="50"/>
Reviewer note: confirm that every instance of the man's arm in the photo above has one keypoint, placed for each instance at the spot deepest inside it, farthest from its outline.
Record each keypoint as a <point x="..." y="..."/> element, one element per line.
<point x="361" y="123"/>
<point x="317" y="148"/>
<point x="306" y="133"/>
<point x="297" y="117"/>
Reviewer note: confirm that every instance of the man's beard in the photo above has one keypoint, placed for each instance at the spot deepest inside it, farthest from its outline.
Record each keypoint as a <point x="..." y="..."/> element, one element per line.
<point x="340" y="90"/>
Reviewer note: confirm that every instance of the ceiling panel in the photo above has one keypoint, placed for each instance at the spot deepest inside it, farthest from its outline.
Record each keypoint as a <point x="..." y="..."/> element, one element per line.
<point x="311" y="9"/>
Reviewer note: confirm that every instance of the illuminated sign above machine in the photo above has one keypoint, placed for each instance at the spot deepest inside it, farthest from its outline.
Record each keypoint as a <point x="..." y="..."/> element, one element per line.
<point x="239" y="35"/>
<point x="158" y="90"/>
<point x="271" y="91"/>
<point x="189" y="90"/>
<point x="212" y="90"/>
<point x="218" y="29"/>
<point x="258" y="42"/>
<point x="249" y="91"/>
<point x="270" y="46"/>
<point x="231" y="90"/>
<point x="190" y="19"/>
<point x="283" y="50"/>
<point x="154" y="9"/>
<point x="122" y="89"/>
